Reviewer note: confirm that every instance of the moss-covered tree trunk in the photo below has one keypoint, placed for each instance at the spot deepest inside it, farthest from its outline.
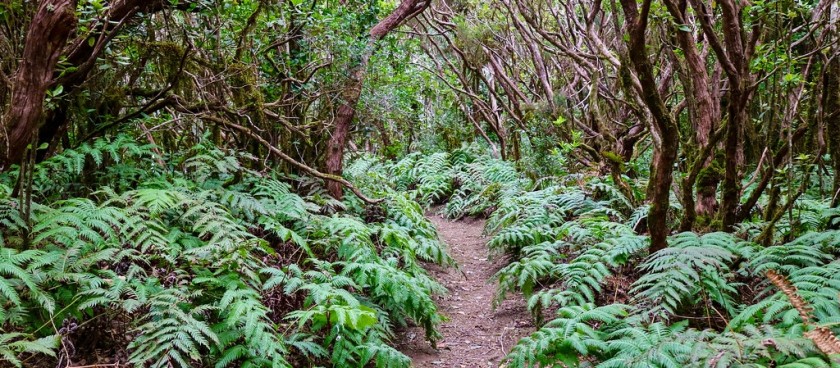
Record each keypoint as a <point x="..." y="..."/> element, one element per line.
<point x="664" y="131"/>
<point x="735" y="62"/>
<point x="703" y="113"/>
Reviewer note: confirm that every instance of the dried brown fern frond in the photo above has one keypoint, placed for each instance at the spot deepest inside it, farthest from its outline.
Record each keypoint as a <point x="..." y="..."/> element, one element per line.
<point x="790" y="291"/>
<point x="823" y="338"/>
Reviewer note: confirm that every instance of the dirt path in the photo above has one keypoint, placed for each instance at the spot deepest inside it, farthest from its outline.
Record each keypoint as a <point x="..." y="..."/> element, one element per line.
<point x="475" y="335"/>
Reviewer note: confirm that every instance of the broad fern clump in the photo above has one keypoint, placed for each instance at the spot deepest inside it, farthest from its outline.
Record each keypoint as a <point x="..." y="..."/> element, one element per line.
<point x="206" y="263"/>
<point x="693" y="271"/>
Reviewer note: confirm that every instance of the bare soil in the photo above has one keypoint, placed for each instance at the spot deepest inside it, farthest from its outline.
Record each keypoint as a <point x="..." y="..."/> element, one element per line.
<point x="476" y="335"/>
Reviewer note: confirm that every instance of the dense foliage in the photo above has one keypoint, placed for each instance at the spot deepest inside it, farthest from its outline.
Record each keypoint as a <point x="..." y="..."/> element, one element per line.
<point x="706" y="301"/>
<point x="244" y="183"/>
<point x="206" y="262"/>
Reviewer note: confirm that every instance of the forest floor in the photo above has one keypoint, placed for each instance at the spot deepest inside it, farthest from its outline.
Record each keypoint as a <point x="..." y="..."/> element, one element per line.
<point x="476" y="334"/>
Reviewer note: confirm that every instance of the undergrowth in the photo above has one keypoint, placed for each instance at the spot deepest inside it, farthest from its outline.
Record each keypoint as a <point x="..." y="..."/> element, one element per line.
<point x="577" y="250"/>
<point x="204" y="262"/>
<point x="208" y="262"/>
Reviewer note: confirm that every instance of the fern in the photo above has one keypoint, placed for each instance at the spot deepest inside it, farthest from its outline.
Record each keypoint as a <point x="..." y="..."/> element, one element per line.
<point x="577" y="331"/>
<point x="808" y="250"/>
<point x="13" y="344"/>
<point x="171" y="334"/>
<point x="752" y="345"/>
<point x="581" y="278"/>
<point x="246" y="334"/>
<point x="692" y="267"/>
<point x="183" y="256"/>
<point x="333" y="309"/>
<point x="566" y="236"/>
<point x="655" y="345"/>
<point x="11" y="219"/>
<point x="537" y="264"/>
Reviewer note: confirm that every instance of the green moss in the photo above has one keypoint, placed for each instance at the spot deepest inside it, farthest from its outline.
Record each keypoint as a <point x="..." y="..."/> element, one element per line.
<point x="614" y="159"/>
<point x="612" y="156"/>
<point x="711" y="175"/>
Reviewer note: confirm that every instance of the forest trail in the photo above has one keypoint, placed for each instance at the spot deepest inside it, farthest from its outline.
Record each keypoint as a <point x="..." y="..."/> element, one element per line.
<point x="476" y="335"/>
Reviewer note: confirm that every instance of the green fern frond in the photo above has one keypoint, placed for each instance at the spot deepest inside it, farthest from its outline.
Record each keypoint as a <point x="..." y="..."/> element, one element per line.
<point x="576" y="332"/>
<point x="171" y="334"/>
<point x="691" y="267"/>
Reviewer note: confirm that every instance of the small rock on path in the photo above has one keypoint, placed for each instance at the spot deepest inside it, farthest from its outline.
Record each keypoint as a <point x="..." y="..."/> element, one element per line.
<point x="476" y="335"/>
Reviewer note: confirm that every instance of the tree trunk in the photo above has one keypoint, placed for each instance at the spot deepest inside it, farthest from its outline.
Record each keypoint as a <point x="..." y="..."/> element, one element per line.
<point x="387" y="149"/>
<point x="831" y="102"/>
<point x="353" y="90"/>
<point x="703" y="113"/>
<point x="82" y="59"/>
<point x="664" y="131"/>
<point x="48" y="33"/>
<point x="731" y="196"/>
<point x="737" y="68"/>
<point x="831" y="105"/>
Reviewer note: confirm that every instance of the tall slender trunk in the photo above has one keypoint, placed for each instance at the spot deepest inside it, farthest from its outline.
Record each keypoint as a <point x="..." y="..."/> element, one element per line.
<point x="733" y="39"/>
<point x="831" y="101"/>
<point x="731" y="196"/>
<point x="831" y="109"/>
<point x="353" y="90"/>
<point x="664" y="130"/>
<point x="703" y="113"/>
